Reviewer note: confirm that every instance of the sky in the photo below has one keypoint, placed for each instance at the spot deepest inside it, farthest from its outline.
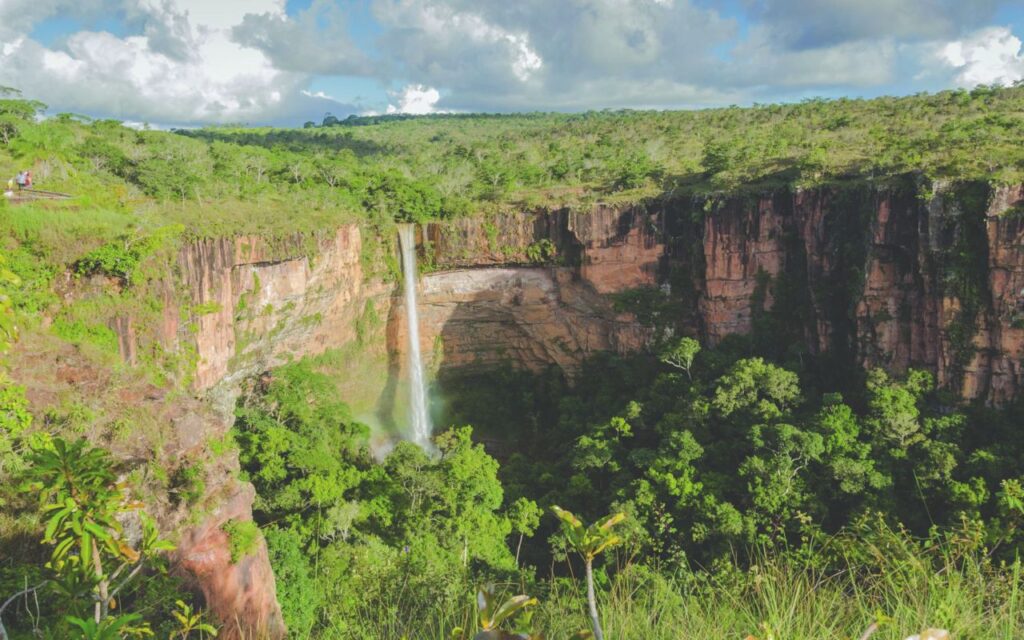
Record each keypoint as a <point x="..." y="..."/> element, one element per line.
<point x="283" y="62"/>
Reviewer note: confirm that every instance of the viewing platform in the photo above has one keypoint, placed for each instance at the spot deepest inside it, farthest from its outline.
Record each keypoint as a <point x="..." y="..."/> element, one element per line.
<point x="31" y="195"/>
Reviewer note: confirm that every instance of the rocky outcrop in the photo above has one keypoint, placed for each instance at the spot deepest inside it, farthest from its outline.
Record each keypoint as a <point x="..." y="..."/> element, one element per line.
<point x="242" y="594"/>
<point x="742" y="245"/>
<point x="872" y="270"/>
<point x="251" y="312"/>
<point x="613" y="248"/>
<point x="1002" y="344"/>
<point x="255" y="306"/>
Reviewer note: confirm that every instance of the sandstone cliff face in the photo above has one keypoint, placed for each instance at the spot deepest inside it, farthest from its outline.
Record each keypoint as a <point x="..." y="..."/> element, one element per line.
<point x="255" y="311"/>
<point x="889" y="279"/>
<point x="242" y="595"/>
<point x="879" y="275"/>
<point x="1003" y="343"/>
<point x="251" y="312"/>
<point x="534" y="317"/>
<point x="614" y="248"/>
<point x="251" y="308"/>
<point x="740" y="241"/>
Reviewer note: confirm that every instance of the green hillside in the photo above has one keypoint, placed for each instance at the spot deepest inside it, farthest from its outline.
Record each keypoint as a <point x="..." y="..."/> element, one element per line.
<point x="763" y="488"/>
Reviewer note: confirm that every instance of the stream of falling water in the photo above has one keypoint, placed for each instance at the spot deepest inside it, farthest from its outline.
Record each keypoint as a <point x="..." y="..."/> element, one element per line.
<point x="419" y="417"/>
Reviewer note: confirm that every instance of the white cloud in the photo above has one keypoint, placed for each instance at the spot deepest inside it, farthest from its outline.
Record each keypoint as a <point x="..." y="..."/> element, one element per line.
<point x="526" y="60"/>
<point x="415" y="99"/>
<point x="316" y="40"/>
<point x="860" y="63"/>
<point x="223" y="14"/>
<point x="182" y="67"/>
<point x="431" y="41"/>
<point x="494" y="55"/>
<point x="193" y="61"/>
<point x="988" y="56"/>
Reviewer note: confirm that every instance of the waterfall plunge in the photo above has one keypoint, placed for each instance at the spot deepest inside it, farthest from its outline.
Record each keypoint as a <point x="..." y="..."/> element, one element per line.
<point x="419" y="418"/>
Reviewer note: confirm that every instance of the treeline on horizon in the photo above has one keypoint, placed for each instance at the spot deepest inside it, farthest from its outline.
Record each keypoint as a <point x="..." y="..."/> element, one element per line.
<point x="435" y="166"/>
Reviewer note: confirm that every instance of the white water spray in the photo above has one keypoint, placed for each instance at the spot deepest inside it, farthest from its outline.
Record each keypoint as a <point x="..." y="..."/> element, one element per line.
<point x="419" y="418"/>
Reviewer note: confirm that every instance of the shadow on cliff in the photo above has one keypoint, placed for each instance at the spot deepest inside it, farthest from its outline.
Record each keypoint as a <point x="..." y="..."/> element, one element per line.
<point x="499" y="357"/>
<point x="387" y="402"/>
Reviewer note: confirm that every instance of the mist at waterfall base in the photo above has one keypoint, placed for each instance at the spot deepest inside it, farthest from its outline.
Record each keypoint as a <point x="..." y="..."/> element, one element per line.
<point x="419" y="428"/>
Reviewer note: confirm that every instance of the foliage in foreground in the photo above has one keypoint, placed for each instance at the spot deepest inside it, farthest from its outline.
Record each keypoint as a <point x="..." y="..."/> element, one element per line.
<point x="396" y="548"/>
<point x="347" y="535"/>
<point x="90" y="585"/>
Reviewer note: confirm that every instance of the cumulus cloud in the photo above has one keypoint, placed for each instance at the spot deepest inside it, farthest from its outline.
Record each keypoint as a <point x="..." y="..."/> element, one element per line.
<point x="651" y="53"/>
<point x="860" y="63"/>
<point x="989" y="56"/>
<point x="415" y="99"/>
<point x="316" y="40"/>
<point x="813" y="24"/>
<point x="181" y="66"/>
<point x="192" y="61"/>
<point x="535" y="54"/>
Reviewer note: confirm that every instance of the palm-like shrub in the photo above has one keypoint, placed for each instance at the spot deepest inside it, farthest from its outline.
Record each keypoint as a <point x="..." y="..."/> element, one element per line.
<point x="589" y="542"/>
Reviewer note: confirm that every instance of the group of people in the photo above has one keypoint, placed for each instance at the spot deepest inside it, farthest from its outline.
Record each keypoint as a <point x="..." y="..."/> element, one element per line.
<point x="23" y="180"/>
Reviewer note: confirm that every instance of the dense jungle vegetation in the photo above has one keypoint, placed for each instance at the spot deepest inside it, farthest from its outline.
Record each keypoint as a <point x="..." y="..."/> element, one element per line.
<point x="752" y="506"/>
<point x="759" y="497"/>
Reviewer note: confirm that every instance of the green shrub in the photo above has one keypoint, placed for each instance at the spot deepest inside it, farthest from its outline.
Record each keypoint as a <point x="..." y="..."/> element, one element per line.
<point x="541" y="251"/>
<point x="206" y="308"/>
<point x="115" y="260"/>
<point x="243" y="538"/>
<point x="189" y="483"/>
<point x="81" y="332"/>
<point x="297" y="590"/>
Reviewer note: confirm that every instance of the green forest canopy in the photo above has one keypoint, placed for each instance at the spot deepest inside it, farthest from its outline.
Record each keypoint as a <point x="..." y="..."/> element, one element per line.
<point x="461" y="164"/>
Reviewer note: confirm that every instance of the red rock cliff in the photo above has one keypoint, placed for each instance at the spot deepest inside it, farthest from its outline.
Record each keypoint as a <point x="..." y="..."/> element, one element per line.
<point x="890" y="278"/>
<point x="879" y="272"/>
<point x="252" y="306"/>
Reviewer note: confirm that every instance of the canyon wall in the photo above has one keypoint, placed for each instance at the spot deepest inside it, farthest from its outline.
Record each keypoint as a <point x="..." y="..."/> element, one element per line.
<point x="251" y="313"/>
<point x="251" y="307"/>
<point x="533" y="317"/>
<point x="887" y="277"/>
<point x="896" y="276"/>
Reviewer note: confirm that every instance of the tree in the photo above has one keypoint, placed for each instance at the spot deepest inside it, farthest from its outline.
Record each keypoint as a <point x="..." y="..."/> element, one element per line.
<point x="757" y="390"/>
<point x="589" y="542"/>
<point x="524" y="515"/>
<point x="16" y="113"/>
<point x="718" y="157"/>
<point x="895" y="420"/>
<point x="680" y="354"/>
<point x="633" y="170"/>
<point x="848" y="458"/>
<point x="774" y="473"/>
<point x="92" y="556"/>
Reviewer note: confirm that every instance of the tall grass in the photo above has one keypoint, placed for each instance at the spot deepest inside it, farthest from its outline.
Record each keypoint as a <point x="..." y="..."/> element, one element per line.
<point x="781" y="599"/>
<point x="833" y="594"/>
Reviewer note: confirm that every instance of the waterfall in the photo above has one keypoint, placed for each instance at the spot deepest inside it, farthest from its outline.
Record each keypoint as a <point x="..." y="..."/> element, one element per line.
<point x="419" y="418"/>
